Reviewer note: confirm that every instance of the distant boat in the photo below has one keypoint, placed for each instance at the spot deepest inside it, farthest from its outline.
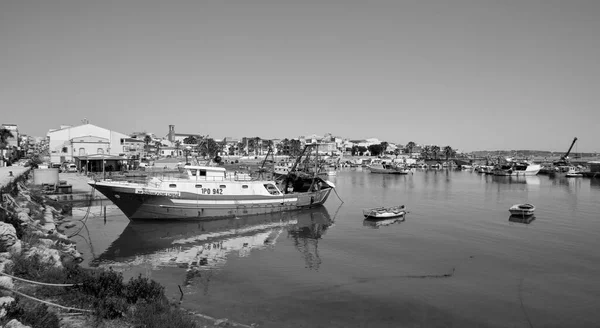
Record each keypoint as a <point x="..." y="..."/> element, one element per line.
<point x="388" y="168"/>
<point x="573" y="173"/>
<point x="522" y="209"/>
<point x="517" y="169"/>
<point x="384" y="212"/>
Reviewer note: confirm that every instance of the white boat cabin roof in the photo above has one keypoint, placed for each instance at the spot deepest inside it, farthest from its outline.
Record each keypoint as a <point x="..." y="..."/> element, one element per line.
<point x="205" y="171"/>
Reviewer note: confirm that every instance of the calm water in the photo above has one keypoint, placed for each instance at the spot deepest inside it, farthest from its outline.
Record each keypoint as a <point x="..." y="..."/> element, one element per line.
<point x="329" y="268"/>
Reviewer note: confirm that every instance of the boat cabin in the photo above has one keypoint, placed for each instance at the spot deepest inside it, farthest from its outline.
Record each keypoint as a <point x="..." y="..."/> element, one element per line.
<point x="205" y="172"/>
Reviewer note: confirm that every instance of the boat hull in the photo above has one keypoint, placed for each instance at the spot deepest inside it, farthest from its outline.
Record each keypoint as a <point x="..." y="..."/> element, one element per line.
<point x="383" y="216"/>
<point x="530" y="171"/>
<point x="522" y="210"/>
<point x="387" y="171"/>
<point x="140" y="206"/>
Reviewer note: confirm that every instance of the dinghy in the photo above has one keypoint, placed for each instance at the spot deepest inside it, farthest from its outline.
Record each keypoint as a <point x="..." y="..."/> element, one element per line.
<point x="384" y="212"/>
<point x="522" y="209"/>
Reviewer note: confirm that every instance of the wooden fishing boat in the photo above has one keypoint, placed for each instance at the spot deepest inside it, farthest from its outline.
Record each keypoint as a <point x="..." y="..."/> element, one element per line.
<point x="522" y="209"/>
<point x="384" y="212"/>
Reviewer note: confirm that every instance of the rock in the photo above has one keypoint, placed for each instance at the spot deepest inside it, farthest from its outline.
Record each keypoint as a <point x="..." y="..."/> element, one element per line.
<point x="16" y="248"/>
<point x="46" y="242"/>
<point x="6" y="283"/>
<point x="4" y="264"/>
<point x="14" y="323"/>
<point x="6" y="301"/>
<point x="23" y="208"/>
<point x="23" y="217"/>
<point x="47" y="255"/>
<point x="8" y="236"/>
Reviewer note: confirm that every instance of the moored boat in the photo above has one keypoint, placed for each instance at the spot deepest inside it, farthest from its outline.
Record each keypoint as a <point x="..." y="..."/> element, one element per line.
<point x="382" y="167"/>
<point x="522" y="209"/>
<point x="384" y="212"/>
<point x="516" y="169"/>
<point x="573" y="173"/>
<point x="208" y="192"/>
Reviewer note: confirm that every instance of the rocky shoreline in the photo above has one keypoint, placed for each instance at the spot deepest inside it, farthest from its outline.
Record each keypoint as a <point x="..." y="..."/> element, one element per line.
<point x="42" y="284"/>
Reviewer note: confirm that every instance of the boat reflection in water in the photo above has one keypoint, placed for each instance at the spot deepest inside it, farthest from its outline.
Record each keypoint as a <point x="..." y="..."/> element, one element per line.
<point x="530" y="180"/>
<point x="521" y="219"/>
<point x="200" y="245"/>
<point x="376" y="223"/>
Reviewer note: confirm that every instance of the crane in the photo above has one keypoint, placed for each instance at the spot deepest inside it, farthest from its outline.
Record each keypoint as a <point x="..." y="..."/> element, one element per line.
<point x="565" y="158"/>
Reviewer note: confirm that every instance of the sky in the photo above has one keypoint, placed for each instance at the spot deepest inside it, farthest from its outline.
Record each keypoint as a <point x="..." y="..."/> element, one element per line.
<point x="472" y="74"/>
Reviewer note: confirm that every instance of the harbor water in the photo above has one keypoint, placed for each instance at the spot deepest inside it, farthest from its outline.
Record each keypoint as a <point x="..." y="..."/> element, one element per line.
<point x="457" y="260"/>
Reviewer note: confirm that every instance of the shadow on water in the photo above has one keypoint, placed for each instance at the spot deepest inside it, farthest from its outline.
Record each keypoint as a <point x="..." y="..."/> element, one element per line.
<point x="595" y="183"/>
<point x="377" y="223"/>
<point x="521" y="219"/>
<point x="207" y="243"/>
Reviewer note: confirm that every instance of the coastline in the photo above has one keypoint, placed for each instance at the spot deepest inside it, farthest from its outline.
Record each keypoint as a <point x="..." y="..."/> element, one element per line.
<point x="36" y="257"/>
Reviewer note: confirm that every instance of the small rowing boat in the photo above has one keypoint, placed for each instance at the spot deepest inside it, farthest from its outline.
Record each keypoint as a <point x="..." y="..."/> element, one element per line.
<point x="522" y="209"/>
<point x="384" y="212"/>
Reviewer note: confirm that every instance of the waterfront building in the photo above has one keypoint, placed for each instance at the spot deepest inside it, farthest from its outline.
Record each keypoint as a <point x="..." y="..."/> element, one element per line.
<point x="69" y="142"/>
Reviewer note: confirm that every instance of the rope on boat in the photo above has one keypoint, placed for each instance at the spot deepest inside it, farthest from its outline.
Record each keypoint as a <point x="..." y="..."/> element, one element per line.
<point x="39" y="283"/>
<point x="338" y="196"/>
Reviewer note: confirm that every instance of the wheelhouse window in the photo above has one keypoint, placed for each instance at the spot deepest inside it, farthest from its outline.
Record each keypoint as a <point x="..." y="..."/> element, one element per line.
<point x="202" y="173"/>
<point x="193" y="172"/>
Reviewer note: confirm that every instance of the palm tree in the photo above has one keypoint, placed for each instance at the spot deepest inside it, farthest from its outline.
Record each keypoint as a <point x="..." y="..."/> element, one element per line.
<point x="435" y="151"/>
<point x="384" y="146"/>
<point x="410" y="146"/>
<point x="257" y="145"/>
<point x="426" y="152"/>
<point x="397" y="152"/>
<point x="147" y="141"/>
<point x="157" y="145"/>
<point x="177" y="146"/>
<point x="295" y="147"/>
<point x="448" y="151"/>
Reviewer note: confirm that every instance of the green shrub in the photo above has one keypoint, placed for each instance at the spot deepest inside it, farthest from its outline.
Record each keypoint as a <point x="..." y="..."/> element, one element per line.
<point x="143" y="289"/>
<point x="110" y="307"/>
<point x="103" y="284"/>
<point x="161" y="314"/>
<point x="31" y="313"/>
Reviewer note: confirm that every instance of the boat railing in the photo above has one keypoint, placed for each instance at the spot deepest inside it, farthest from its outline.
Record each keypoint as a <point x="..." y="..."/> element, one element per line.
<point x="144" y="177"/>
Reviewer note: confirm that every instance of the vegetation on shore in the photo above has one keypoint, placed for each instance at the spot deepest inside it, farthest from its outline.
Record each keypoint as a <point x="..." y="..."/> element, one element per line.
<point x="67" y="295"/>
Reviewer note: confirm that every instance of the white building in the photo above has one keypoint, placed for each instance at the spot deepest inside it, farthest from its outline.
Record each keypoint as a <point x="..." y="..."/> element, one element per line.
<point x="83" y="140"/>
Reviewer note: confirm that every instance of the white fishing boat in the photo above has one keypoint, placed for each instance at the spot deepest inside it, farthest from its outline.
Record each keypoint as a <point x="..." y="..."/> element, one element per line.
<point x="383" y="167"/>
<point x="516" y="169"/>
<point x="384" y="212"/>
<point x="573" y="173"/>
<point x="207" y="192"/>
<point x="522" y="209"/>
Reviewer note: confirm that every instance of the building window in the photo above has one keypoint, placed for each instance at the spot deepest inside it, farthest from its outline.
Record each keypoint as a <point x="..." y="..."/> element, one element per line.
<point x="81" y="151"/>
<point x="100" y="151"/>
